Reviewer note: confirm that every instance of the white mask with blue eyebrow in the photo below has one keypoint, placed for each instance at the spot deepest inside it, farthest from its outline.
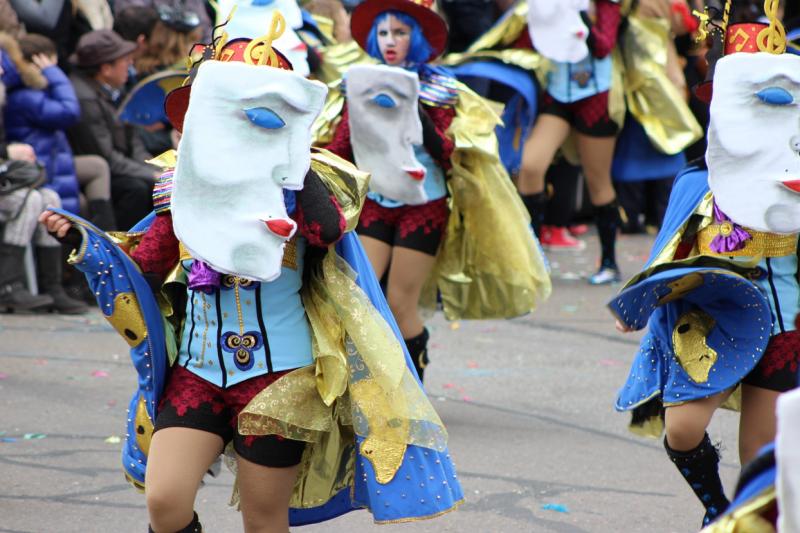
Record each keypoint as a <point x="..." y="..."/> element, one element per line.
<point x="246" y="138"/>
<point x="384" y="128"/>
<point x="754" y="141"/>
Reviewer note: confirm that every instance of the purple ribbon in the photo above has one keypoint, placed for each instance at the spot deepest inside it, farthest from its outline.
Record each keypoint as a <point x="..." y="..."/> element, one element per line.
<point x="735" y="240"/>
<point x="203" y="278"/>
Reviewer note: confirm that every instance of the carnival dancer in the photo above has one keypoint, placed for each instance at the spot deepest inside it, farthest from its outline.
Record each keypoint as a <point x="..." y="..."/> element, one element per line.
<point x="273" y="344"/>
<point x="576" y="100"/>
<point x="440" y="201"/>
<point x="720" y="292"/>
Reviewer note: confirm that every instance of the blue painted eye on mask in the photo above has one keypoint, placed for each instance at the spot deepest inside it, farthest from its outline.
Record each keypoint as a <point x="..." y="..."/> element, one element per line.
<point x="385" y="101"/>
<point x="264" y="118"/>
<point x="263" y="2"/>
<point x="775" y="96"/>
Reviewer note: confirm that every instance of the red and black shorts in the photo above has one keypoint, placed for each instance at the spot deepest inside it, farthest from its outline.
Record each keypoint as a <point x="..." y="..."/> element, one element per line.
<point x="192" y="402"/>
<point x="777" y="369"/>
<point x="417" y="227"/>
<point x="588" y="116"/>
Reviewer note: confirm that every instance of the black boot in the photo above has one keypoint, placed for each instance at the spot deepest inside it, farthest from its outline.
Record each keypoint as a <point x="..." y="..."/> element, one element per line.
<point x="14" y="296"/>
<point x="49" y="269"/>
<point x="700" y="468"/>
<point x="418" y="350"/>
<point x="536" y="204"/>
<point x="194" y="527"/>
<point x="103" y="214"/>
<point x="608" y="222"/>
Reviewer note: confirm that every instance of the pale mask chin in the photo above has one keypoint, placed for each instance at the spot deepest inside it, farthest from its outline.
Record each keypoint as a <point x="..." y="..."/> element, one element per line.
<point x="384" y="127"/>
<point x="752" y="157"/>
<point x="247" y="136"/>
<point x="557" y="30"/>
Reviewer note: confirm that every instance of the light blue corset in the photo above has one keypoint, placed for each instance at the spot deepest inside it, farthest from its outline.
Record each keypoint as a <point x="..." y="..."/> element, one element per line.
<point x="570" y="82"/>
<point x="435" y="187"/>
<point x="780" y="287"/>
<point x="248" y="328"/>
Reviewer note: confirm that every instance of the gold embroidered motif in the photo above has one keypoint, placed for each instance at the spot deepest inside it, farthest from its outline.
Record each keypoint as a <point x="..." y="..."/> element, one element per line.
<point x="290" y="254"/>
<point x="681" y="287"/>
<point x="689" y="342"/>
<point x="386" y="457"/>
<point x="144" y="426"/>
<point x="127" y="319"/>
<point x="760" y="244"/>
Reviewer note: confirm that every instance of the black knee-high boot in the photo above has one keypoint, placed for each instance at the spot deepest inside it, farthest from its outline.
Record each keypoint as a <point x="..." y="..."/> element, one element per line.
<point x="194" y="527"/>
<point x="536" y="204"/>
<point x="608" y="222"/>
<point x="418" y="350"/>
<point x="700" y="468"/>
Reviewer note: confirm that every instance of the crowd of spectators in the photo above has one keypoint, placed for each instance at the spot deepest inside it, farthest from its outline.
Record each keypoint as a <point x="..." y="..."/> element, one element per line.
<point x="66" y="67"/>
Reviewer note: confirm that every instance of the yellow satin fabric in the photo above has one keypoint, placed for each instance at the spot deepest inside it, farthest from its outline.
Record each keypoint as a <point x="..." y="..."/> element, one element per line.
<point x="651" y="97"/>
<point x="489" y="265"/>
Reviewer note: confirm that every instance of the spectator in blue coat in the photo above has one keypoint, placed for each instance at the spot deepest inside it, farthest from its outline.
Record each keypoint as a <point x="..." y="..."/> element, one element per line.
<point x="41" y="105"/>
<point x="19" y="209"/>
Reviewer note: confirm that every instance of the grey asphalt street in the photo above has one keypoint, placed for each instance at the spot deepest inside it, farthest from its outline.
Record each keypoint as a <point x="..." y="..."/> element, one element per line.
<point x="528" y="404"/>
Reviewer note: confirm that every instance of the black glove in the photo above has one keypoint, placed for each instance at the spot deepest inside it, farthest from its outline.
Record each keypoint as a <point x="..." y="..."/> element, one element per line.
<point x="315" y="203"/>
<point x="430" y="137"/>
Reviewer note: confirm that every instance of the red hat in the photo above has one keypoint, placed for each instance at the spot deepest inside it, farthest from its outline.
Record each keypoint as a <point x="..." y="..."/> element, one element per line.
<point x="242" y="50"/>
<point x="433" y="26"/>
<point x="739" y="38"/>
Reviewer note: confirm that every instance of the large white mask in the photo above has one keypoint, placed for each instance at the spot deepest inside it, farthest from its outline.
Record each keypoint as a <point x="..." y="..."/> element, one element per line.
<point x="557" y="30"/>
<point x="754" y="141"/>
<point x="384" y="127"/>
<point x="246" y="137"/>
<point x="253" y="19"/>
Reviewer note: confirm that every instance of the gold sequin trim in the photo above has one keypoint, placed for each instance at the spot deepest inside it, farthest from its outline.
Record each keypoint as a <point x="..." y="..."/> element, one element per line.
<point x="761" y="244"/>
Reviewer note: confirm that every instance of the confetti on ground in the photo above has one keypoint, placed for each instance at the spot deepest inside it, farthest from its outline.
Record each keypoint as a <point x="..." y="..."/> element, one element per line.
<point x="99" y="374"/>
<point x="435" y="345"/>
<point x="113" y="439"/>
<point x="448" y="386"/>
<point x="3" y="375"/>
<point x="570" y="276"/>
<point x="472" y="364"/>
<point x="33" y="436"/>
<point x="454" y="326"/>
<point x="8" y="439"/>
<point x="610" y="362"/>
<point x="466" y="399"/>
<point x="570" y="309"/>
<point x="111" y="403"/>
<point x="490" y="329"/>
<point x="557" y="507"/>
<point x="40" y="362"/>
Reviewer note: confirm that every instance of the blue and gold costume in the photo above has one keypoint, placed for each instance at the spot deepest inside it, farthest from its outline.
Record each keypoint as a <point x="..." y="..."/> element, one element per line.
<point x="372" y="438"/>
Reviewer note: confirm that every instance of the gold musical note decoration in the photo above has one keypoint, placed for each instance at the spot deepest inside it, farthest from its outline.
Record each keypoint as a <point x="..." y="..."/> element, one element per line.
<point x="260" y="51"/>
<point x="773" y="38"/>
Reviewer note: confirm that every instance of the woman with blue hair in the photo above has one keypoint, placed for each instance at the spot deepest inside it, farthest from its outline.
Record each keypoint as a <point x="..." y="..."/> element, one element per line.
<point x="467" y="191"/>
<point x="404" y="239"/>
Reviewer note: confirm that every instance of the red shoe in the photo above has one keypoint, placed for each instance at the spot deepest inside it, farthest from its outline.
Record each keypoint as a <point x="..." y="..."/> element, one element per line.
<point x="578" y="229"/>
<point x="555" y="238"/>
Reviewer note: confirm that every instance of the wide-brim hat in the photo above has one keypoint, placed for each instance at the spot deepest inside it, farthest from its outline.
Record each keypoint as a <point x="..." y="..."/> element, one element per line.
<point x="432" y="25"/>
<point x="99" y="47"/>
<point x="236" y="50"/>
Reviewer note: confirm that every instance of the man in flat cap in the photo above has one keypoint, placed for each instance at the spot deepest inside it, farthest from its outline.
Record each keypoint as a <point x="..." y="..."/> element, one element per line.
<point x="101" y="62"/>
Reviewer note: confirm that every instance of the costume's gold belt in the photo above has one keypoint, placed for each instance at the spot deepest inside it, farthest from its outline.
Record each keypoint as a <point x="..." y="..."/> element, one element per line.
<point x="760" y="244"/>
